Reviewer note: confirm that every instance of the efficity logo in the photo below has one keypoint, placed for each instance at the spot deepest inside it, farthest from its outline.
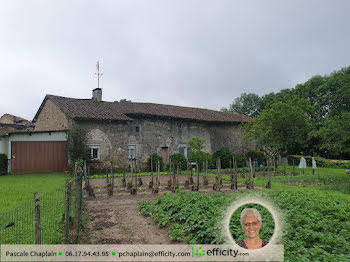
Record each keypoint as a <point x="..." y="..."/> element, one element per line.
<point x="199" y="252"/>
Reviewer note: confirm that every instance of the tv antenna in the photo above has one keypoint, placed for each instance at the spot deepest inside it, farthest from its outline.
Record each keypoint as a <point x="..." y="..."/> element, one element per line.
<point x="98" y="73"/>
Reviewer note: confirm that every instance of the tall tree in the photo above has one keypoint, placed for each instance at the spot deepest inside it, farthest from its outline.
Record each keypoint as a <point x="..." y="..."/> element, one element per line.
<point x="283" y="127"/>
<point x="335" y="135"/>
<point x="247" y="104"/>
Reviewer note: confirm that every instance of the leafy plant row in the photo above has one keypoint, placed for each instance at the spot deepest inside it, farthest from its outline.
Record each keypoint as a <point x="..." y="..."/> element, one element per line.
<point x="316" y="228"/>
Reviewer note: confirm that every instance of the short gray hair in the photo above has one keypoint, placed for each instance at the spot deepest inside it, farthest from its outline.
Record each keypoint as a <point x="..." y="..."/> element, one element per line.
<point x="250" y="212"/>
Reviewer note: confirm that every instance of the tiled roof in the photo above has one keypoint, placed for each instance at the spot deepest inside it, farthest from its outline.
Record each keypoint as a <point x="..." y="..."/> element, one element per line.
<point x="86" y="109"/>
<point x="190" y="113"/>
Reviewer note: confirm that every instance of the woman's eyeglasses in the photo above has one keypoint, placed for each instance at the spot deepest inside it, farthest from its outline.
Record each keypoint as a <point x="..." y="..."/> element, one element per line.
<point x="254" y="224"/>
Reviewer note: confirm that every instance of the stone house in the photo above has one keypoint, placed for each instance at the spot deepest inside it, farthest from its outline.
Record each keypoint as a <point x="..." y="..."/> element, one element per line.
<point x="117" y="131"/>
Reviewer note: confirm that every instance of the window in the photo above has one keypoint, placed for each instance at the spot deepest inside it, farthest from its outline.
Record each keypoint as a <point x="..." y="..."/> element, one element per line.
<point x="132" y="151"/>
<point x="184" y="150"/>
<point x="137" y="129"/>
<point x="95" y="152"/>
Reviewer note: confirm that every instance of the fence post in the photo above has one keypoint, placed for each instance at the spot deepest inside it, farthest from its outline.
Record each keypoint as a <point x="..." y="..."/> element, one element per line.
<point x="78" y="203"/>
<point x="197" y="186"/>
<point x="66" y="211"/>
<point x="37" y="218"/>
<point x="85" y="173"/>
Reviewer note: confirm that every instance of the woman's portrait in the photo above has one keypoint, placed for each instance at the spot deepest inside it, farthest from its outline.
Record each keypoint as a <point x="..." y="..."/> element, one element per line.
<point x="248" y="228"/>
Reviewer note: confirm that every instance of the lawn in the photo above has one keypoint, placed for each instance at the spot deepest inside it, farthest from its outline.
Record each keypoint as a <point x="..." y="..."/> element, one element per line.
<point x="17" y="207"/>
<point x="18" y="189"/>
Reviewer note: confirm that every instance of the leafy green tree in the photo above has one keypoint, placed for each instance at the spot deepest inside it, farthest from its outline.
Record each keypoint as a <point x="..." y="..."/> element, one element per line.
<point x="335" y="135"/>
<point x="76" y="144"/>
<point x="197" y="156"/>
<point x="179" y="160"/>
<point x="247" y="104"/>
<point x="282" y="128"/>
<point x="196" y="153"/>
<point x="196" y="143"/>
<point x="328" y="94"/>
<point x="225" y="156"/>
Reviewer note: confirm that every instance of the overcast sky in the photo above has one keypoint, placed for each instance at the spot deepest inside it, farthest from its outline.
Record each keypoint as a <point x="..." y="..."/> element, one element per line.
<point x="189" y="53"/>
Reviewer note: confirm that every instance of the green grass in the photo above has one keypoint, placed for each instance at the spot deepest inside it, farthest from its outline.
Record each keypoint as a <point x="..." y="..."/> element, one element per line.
<point x="17" y="206"/>
<point x="17" y="189"/>
<point x="333" y="179"/>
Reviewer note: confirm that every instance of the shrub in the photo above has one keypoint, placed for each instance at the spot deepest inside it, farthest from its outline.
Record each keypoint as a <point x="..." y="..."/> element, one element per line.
<point x="197" y="156"/>
<point x="155" y="157"/>
<point x="180" y="160"/>
<point x="257" y="156"/>
<point x="3" y="164"/>
<point x="225" y="156"/>
<point x="241" y="160"/>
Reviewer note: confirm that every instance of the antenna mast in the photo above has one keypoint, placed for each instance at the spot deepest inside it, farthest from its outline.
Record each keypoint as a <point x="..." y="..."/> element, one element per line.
<point x="98" y="74"/>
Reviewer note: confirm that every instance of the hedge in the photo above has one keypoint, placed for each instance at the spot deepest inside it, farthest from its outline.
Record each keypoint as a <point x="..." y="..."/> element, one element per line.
<point x="3" y="164"/>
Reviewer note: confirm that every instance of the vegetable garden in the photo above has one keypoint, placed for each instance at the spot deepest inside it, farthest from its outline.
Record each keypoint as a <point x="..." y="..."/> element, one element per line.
<point x="316" y="228"/>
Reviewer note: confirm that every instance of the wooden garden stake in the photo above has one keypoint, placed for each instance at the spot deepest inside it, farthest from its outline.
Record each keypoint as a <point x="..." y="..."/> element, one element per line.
<point x="191" y="178"/>
<point x="174" y="171"/>
<point x="236" y="174"/>
<point x="111" y="180"/>
<point x="37" y="218"/>
<point x="123" y="180"/>
<point x="131" y="170"/>
<point x="152" y="172"/>
<point x="197" y="166"/>
<point x="268" y="173"/>
<point x="251" y="185"/>
<point x="158" y="173"/>
<point x="85" y="171"/>
<point x="135" y="166"/>
<point x="220" y="173"/>
<point x="88" y="176"/>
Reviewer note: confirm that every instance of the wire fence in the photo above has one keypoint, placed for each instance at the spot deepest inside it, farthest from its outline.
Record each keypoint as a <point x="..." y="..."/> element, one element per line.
<point x="48" y="224"/>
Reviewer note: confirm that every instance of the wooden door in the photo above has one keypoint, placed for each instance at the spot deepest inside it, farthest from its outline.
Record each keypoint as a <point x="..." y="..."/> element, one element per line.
<point x="164" y="154"/>
<point x="38" y="157"/>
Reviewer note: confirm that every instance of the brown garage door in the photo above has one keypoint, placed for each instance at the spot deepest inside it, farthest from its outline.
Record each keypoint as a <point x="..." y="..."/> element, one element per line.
<point x="38" y="157"/>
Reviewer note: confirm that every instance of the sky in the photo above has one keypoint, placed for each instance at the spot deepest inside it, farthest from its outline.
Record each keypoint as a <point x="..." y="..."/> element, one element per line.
<point x="180" y="52"/>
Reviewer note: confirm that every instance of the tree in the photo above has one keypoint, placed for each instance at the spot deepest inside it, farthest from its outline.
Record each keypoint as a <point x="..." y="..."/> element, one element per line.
<point x="196" y="143"/>
<point x="225" y="156"/>
<point x="247" y="104"/>
<point x="335" y="135"/>
<point x="282" y="128"/>
<point x="327" y="93"/>
<point x="196" y="153"/>
<point x="76" y="145"/>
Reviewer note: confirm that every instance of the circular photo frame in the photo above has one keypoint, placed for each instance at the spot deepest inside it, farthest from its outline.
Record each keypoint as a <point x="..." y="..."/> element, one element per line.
<point x="252" y="218"/>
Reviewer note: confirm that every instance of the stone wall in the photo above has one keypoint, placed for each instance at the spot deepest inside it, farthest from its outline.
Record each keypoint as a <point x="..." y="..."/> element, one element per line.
<point x="150" y="135"/>
<point x="51" y="118"/>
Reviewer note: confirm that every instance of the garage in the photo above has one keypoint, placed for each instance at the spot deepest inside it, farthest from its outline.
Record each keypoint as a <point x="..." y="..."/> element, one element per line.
<point x="41" y="152"/>
<point x="38" y="157"/>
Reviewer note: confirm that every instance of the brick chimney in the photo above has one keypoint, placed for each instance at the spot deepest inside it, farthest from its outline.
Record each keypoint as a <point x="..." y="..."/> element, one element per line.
<point x="97" y="94"/>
